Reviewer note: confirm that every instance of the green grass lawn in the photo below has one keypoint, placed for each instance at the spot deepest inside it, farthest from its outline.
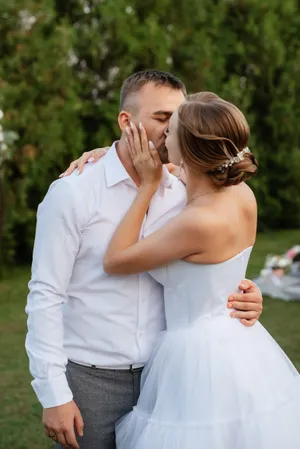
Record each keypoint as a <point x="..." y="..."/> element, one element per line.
<point x="20" y="413"/>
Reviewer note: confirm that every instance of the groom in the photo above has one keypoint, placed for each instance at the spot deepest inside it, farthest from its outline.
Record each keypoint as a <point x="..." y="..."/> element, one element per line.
<point x="90" y="334"/>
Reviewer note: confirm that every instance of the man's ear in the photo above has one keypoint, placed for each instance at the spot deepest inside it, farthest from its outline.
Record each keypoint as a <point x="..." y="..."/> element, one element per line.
<point x="124" y="120"/>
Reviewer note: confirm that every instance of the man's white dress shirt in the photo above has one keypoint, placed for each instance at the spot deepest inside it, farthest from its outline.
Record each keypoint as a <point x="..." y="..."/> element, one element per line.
<point x="75" y="310"/>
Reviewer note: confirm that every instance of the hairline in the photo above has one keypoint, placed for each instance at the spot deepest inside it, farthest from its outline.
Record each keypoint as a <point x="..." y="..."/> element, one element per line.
<point x="140" y="86"/>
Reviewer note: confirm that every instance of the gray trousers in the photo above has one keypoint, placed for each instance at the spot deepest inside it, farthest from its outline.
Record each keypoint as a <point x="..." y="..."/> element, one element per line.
<point x="103" y="397"/>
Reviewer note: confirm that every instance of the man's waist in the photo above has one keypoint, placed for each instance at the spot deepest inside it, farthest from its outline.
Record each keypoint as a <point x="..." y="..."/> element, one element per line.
<point x="126" y="349"/>
<point x="114" y="358"/>
<point x="129" y="367"/>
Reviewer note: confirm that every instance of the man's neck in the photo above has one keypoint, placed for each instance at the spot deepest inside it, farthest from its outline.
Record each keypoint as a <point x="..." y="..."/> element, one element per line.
<point x="125" y="158"/>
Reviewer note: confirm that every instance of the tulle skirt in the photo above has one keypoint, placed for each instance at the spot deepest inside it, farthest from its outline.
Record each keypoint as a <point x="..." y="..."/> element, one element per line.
<point x="215" y="385"/>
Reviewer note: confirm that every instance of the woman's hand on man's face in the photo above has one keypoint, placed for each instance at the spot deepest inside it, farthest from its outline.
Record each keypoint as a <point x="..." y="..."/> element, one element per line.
<point x="144" y="155"/>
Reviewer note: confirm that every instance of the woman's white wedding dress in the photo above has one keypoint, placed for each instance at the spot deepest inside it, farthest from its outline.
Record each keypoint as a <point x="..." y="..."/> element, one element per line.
<point x="212" y="383"/>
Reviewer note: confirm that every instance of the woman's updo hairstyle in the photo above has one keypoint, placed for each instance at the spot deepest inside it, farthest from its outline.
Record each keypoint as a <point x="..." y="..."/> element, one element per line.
<point x="211" y="133"/>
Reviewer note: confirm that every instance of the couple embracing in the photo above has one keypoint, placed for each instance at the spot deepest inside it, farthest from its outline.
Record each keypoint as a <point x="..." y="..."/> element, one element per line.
<point x="142" y="331"/>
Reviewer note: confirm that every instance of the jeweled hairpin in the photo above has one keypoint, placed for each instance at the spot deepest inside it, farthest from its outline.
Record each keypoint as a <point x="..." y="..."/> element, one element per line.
<point x="234" y="160"/>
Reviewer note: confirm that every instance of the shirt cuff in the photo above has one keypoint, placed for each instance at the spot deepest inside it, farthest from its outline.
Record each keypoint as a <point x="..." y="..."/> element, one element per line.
<point x="52" y="392"/>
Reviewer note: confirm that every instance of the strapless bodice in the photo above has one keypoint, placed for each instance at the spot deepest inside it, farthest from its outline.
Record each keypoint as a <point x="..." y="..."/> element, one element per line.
<point x="196" y="291"/>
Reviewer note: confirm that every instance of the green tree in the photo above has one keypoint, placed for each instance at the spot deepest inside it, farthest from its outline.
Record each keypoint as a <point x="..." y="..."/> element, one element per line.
<point x="62" y="65"/>
<point x="245" y="51"/>
<point x="41" y="105"/>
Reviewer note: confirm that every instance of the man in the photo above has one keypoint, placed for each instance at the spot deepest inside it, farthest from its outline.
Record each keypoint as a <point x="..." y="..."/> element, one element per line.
<point x="90" y="334"/>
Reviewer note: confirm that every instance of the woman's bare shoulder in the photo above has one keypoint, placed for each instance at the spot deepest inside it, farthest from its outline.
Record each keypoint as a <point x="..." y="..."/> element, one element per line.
<point x="211" y="215"/>
<point x="247" y="193"/>
<point x="225" y="222"/>
<point x="203" y="221"/>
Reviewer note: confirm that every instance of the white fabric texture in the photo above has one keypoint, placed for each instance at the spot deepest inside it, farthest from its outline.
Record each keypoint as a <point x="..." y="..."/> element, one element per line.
<point x="212" y="383"/>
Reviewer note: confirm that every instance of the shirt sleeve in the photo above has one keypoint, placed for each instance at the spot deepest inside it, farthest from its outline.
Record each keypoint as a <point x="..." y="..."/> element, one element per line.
<point x="57" y="241"/>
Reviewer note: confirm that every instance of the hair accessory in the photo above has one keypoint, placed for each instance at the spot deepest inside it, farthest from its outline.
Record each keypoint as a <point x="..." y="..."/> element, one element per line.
<point x="234" y="160"/>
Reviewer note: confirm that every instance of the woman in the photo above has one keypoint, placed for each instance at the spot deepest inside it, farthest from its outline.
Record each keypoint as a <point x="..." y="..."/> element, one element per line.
<point x="197" y="392"/>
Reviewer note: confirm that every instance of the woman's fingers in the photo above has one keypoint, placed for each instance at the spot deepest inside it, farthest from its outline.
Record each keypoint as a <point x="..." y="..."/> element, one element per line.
<point x="154" y="154"/>
<point x="144" y="155"/>
<point x="70" y="169"/>
<point x="130" y="142"/>
<point x="84" y="158"/>
<point x="136" y="139"/>
<point x="91" y="156"/>
<point x="87" y="156"/>
<point x="129" y="147"/>
<point x="143" y="138"/>
<point x="98" y="153"/>
<point x="148" y="146"/>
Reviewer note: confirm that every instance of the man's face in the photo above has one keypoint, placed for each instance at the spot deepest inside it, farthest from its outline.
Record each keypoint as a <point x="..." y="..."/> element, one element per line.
<point x="155" y="105"/>
<point x="172" y="141"/>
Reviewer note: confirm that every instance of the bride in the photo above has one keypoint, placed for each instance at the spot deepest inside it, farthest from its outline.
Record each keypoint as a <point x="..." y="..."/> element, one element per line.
<point x="211" y="383"/>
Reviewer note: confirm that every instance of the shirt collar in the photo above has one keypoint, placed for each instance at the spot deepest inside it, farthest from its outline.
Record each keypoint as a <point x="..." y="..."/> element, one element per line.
<point x="167" y="178"/>
<point x="115" y="171"/>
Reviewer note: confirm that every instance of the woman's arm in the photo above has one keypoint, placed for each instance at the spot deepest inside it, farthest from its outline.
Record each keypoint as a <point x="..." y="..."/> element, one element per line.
<point x="125" y="253"/>
<point x="174" y="241"/>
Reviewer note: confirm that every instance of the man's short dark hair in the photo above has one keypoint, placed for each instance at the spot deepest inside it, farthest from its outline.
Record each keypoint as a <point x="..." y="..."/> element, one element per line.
<point x="136" y="81"/>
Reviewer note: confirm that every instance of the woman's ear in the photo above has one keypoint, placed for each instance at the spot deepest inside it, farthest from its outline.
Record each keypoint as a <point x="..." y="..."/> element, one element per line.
<point x="124" y="120"/>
